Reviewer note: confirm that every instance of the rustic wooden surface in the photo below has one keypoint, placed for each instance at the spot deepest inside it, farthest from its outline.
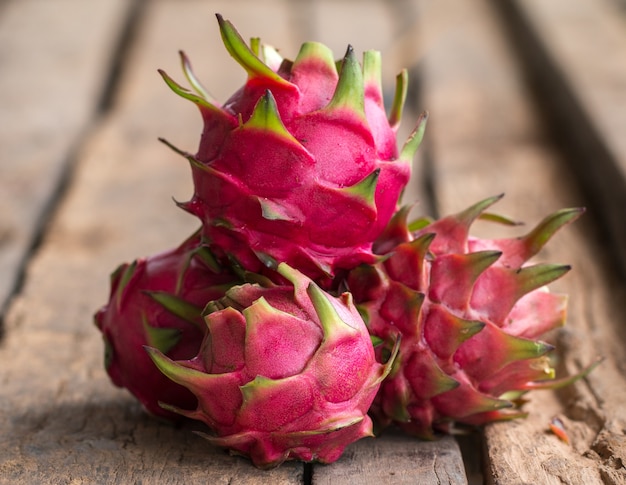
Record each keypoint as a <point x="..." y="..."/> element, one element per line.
<point x="394" y="458"/>
<point x="84" y="185"/>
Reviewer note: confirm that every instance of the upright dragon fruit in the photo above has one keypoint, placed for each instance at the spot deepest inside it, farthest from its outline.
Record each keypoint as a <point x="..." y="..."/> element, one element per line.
<point x="158" y="301"/>
<point x="284" y="372"/>
<point x="468" y="312"/>
<point x="300" y="165"/>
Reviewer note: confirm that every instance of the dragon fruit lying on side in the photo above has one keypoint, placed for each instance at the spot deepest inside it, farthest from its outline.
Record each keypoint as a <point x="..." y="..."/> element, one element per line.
<point x="468" y="311"/>
<point x="158" y="301"/>
<point x="284" y="372"/>
<point x="300" y="165"/>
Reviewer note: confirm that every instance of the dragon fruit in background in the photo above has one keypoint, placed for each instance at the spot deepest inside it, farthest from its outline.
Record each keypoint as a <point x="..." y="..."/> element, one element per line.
<point x="469" y="313"/>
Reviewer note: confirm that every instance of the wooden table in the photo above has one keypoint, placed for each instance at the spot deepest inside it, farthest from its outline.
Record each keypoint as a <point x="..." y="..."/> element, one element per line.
<point x="526" y="97"/>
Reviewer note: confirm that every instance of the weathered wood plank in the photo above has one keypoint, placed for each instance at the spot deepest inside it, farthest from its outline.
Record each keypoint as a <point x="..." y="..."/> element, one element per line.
<point x="54" y="68"/>
<point x="575" y="53"/>
<point x="394" y="458"/>
<point x="61" y="419"/>
<point x="486" y="138"/>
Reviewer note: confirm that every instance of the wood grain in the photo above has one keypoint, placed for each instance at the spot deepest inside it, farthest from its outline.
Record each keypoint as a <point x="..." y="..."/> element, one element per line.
<point x="397" y="459"/>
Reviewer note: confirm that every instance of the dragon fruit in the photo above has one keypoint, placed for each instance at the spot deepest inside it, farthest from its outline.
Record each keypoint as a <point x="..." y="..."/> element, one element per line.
<point x="469" y="313"/>
<point x="297" y="180"/>
<point x="300" y="165"/>
<point x="158" y="301"/>
<point x="284" y="372"/>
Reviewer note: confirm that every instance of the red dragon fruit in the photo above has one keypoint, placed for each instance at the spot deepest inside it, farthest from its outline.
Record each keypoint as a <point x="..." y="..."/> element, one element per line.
<point x="468" y="312"/>
<point x="300" y="165"/>
<point x="297" y="179"/>
<point x="284" y="372"/>
<point x="158" y="301"/>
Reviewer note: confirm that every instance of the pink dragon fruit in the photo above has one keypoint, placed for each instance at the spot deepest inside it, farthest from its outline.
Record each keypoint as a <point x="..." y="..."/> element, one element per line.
<point x="158" y="301"/>
<point x="300" y="165"/>
<point x="468" y="311"/>
<point x="284" y="372"/>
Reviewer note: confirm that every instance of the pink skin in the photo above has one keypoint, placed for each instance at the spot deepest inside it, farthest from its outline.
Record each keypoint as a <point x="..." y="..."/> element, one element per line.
<point x="469" y="312"/>
<point x="285" y="372"/>
<point x="123" y="321"/>
<point x="261" y="193"/>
